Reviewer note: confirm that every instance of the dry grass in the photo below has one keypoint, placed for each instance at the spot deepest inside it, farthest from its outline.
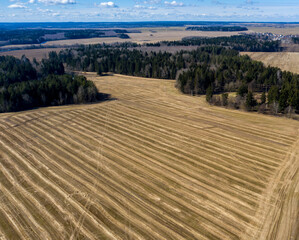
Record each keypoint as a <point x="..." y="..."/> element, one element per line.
<point x="288" y="61"/>
<point x="147" y="35"/>
<point x="169" y="34"/>
<point x="152" y="164"/>
<point x="39" y="54"/>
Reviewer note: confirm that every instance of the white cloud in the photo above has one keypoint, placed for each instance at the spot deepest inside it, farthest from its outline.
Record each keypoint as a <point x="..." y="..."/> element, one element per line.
<point x="17" y="5"/>
<point x="31" y="1"/>
<point x="174" y="4"/>
<point x="57" y="2"/>
<point x="107" y="4"/>
<point x="145" y="7"/>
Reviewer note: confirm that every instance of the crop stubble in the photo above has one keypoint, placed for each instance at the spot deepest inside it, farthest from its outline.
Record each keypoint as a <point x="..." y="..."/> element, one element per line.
<point x="151" y="164"/>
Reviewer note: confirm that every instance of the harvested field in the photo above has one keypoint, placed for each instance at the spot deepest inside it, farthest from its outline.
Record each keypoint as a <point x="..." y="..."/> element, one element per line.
<point x="147" y="35"/>
<point x="140" y="38"/>
<point x="151" y="164"/>
<point x="173" y="35"/>
<point x="288" y="61"/>
<point x="39" y="54"/>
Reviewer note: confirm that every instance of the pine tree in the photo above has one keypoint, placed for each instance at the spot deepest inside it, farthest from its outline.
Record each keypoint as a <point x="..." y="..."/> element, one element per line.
<point x="250" y="101"/>
<point x="243" y="89"/>
<point x="209" y="93"/>
<point x="273" y="94"/>
<point x="263" y="98"/>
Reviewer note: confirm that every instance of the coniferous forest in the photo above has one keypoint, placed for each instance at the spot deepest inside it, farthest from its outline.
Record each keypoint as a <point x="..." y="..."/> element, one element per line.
<point x="22" y="87"/>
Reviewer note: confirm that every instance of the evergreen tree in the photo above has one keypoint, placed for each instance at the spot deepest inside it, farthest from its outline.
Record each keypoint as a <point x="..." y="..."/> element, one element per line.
<point x="273" y="94"/>
<point x="243" y="89"/>
<point x="209" y="93"/>
<point x="52" y="65"/>
<point x="283" y="99"/>
<point x="263" y="98"/>
<point x="250" y="101"/>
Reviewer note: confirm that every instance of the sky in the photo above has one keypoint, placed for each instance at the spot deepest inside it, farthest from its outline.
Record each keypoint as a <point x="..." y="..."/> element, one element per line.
<point x="148" y="10"/>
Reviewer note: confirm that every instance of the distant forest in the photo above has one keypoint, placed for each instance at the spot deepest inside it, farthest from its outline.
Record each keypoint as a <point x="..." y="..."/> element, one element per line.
<point x="241" y="43"/>
<point x="22" y="87"/>
<point x="218" y="28"/>
<point x="39" y="36"/>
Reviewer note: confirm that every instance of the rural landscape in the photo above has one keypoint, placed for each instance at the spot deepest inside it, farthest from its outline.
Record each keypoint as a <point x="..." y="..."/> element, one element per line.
<point x="149" y="120"/>
<point x="154" y="164"/>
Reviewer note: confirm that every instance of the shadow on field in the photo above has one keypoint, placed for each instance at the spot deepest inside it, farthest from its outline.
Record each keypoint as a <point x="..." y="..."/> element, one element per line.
<point x="103" y="97"/>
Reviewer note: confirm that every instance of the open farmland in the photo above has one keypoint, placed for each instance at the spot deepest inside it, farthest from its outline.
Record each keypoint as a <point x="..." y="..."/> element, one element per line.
<point x="287" y="61"/>
<point x="39" y="54"/>
<point x="146" y="35"/>
<point x="149" y="164"/>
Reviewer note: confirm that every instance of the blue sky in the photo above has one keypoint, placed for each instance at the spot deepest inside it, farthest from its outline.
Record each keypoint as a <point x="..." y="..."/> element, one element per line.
<point x="148" y="10"/>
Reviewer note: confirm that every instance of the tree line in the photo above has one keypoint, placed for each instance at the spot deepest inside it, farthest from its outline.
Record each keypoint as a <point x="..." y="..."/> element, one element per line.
<point x="218" y="28"/>
<point x="97" y="58"/>
<point x="220" y="69"/>
<point x="247" y="43"/>
<point x="223" y="72"/>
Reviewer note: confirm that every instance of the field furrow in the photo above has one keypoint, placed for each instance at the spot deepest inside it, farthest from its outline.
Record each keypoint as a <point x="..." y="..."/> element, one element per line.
<point x="126" y="164"/>
<point x="151" y="164"/>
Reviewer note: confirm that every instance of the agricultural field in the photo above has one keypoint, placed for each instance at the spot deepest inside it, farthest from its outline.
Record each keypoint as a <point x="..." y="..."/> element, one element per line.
<point x="150" y="163"/>
<point x="288" y="61"/>
<point x="172" y="34"/>
<point x="146" y="35"/>
<point x="39" y="54"/>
